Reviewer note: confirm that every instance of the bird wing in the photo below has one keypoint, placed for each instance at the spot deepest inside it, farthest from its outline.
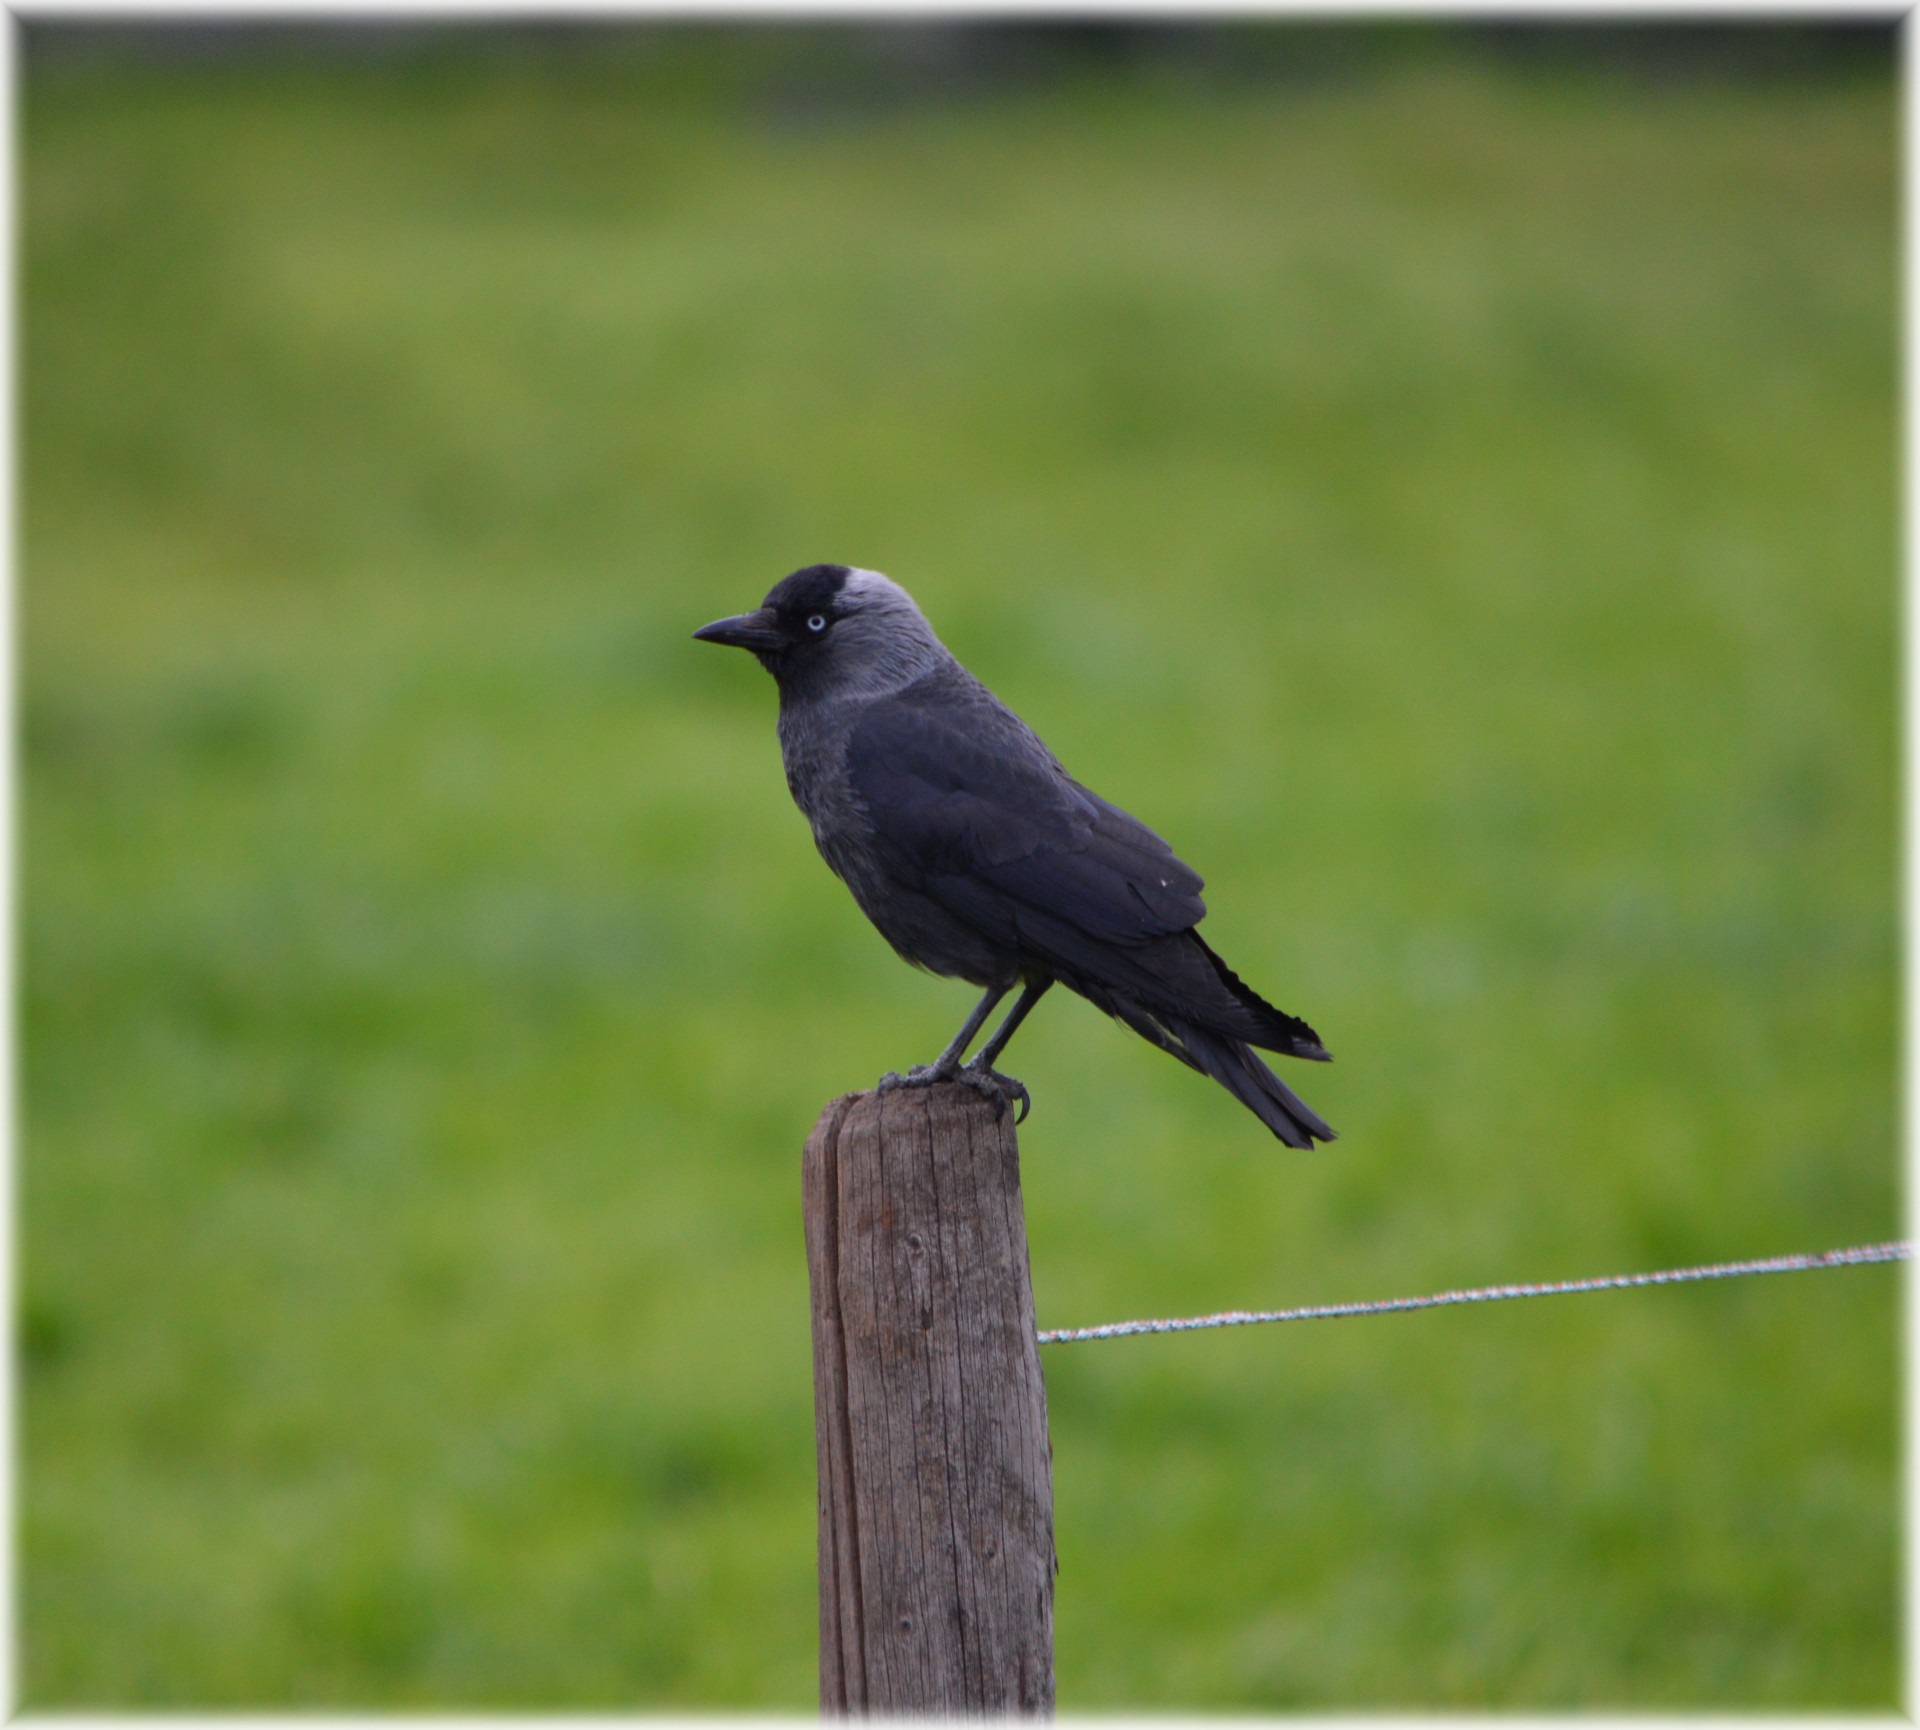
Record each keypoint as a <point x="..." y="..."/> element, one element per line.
<point x="971" y="808"/>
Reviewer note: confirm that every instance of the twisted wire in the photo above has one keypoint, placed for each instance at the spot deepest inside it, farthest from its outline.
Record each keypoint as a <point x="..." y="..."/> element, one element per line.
<point x="1874" y="1252"/>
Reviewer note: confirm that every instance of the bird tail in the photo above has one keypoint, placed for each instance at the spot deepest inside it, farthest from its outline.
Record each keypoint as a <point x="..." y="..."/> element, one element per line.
<point x="1273" y="1029"/>
<point x="1234" y="1064"/>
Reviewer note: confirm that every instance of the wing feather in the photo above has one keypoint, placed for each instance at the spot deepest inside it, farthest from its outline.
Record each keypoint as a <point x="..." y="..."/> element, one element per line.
<point x="975" y="810"/>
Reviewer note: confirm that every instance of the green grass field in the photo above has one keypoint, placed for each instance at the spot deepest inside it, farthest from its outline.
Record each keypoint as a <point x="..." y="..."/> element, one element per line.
<point x="1458" y="508"/>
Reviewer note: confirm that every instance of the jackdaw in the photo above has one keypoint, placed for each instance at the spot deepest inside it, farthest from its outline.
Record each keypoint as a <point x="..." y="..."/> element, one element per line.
<point x="978" y="857"/>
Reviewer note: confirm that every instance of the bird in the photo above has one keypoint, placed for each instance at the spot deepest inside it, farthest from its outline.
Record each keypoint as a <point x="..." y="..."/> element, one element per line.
<point x="978" y="857"/>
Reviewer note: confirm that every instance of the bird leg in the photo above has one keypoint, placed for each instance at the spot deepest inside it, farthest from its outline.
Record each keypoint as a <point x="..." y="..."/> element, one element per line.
<point x="980" y="1073"/>
<point x="1017" y="1014"/>
<point x="946" y="1067"/>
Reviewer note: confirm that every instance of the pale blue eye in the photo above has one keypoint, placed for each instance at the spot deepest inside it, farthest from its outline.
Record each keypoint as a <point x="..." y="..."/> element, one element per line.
<point x="818" y="622"/>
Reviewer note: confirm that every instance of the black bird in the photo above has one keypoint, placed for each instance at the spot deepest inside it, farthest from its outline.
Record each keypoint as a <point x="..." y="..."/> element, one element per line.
<point x="980" y="858"/>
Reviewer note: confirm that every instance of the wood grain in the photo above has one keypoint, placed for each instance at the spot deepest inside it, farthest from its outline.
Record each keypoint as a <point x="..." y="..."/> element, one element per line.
<point x="936" y="1479"/>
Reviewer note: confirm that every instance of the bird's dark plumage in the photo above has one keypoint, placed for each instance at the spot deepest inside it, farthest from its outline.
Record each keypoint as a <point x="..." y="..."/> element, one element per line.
<point x="978" y="856"/>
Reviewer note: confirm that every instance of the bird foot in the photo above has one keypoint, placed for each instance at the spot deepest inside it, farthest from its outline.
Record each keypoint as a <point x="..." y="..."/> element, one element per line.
<point x="990" y="1084"/>
<point x="920" y="1075"/>
<point x="1001" y="1089"/>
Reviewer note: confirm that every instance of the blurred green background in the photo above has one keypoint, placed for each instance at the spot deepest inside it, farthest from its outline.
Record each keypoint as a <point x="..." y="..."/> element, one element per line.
<point x="1444" y="480"/>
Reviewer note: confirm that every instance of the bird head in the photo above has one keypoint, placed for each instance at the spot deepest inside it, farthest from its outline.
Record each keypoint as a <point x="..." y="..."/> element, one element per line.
<point x="834" y="630"/>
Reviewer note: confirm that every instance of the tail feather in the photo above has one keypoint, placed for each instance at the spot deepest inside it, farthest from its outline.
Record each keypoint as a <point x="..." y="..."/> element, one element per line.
<point x="1280" y="1031"/>
<point x="1262" y="1092"/>
<point x="1233" y="1064"/>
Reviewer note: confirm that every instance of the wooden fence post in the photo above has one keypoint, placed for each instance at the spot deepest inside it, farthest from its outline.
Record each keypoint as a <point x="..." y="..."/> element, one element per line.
<point x="936" y="1476"/>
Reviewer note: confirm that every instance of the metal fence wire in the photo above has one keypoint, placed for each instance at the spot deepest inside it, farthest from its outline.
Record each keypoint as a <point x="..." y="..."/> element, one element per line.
<point x="1873" y="1252"/>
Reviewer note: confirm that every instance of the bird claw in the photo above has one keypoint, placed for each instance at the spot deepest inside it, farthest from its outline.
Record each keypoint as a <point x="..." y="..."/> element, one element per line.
<point x="920" y="1075"/>
<point x="991" y="1084"/>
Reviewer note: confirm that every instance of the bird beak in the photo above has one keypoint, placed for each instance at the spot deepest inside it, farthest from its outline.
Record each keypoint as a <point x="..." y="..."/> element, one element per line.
<point x="758" y="631"/>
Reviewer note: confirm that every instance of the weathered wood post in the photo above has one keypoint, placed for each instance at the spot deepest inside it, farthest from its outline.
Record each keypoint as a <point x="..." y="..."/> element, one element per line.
<point x="936" y="1476"/>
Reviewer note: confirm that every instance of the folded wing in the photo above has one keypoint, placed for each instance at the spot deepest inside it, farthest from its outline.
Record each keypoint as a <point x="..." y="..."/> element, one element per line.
<point x="972" y="810"/>
<point x="976" y="812"/>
